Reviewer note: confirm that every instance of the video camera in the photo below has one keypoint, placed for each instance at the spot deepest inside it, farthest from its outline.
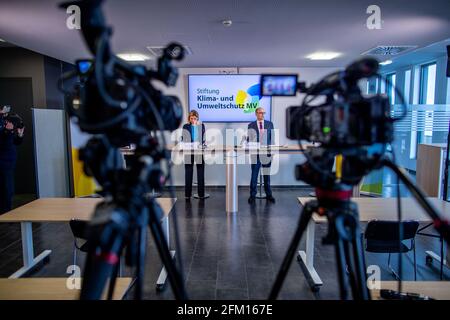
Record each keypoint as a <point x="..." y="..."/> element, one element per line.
<point x="115" y="96"/>
<point x="7" y="116"/>
<point x="346" y="118"/>
<point x="344" y="123"/>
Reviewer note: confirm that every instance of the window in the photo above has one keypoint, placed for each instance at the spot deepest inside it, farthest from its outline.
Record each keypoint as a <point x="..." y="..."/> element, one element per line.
<point x="427" y="83"/>
<point x="426" y="96"/>
<point x="390" y="87"/>
<point x="407" y="88"/>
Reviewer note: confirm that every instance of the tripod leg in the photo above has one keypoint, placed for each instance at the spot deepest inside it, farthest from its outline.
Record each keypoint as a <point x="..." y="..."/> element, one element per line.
<point x="341" y="267"/>
<point x="112" y="281"/>
<point x="351" y="266"/>
<point x="174" y="276"/>
<point x="142" y="245"/>
<point x="360" y="265"/>
<point x="347" y="228"/>
<point x="99" y="266"/>
<point x="305" y="216"/>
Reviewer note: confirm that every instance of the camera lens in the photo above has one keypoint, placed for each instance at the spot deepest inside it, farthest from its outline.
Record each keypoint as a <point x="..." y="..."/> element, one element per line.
<point x="171" y="112"/>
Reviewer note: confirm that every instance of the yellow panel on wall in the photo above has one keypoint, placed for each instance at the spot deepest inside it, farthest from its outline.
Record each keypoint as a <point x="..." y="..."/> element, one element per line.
<point x="83" y="185"/>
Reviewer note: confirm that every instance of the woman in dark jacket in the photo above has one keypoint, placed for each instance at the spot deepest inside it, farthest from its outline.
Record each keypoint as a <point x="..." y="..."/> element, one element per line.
<point x="10" y="137"/>
<point x="193" y="131"/>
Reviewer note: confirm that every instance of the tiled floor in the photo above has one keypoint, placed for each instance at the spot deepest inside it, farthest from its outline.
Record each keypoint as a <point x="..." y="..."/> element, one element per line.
<point x="224" y="256"/>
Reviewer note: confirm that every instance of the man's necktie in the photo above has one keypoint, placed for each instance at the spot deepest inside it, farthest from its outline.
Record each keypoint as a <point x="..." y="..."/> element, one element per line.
<point x="261" y="132"/>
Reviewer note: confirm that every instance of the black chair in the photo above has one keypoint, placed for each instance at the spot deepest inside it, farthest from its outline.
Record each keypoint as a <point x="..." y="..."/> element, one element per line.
<point x="383" y="237"/>
<point x="79" y="231"/>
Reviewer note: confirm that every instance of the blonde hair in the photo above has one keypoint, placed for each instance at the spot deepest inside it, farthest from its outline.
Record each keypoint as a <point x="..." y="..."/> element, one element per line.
<point x="193" y="113"/>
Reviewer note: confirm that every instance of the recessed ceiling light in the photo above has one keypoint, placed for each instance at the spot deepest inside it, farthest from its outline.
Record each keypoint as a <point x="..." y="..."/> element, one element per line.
<point x="323" y="55"/>
<point x="385" y="63"/>
<point x="133" y="56"/>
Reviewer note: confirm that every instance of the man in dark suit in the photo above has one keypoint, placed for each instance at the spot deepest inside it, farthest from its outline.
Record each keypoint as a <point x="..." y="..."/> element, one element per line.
<point x="194" y="132"/>
<point x="260" y="131"/>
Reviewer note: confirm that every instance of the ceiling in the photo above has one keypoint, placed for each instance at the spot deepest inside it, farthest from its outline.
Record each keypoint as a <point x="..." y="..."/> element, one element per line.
<point x="270" y="33"/>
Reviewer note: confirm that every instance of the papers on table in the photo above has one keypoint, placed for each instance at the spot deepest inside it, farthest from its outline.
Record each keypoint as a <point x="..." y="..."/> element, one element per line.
<point x="189" y="145"/>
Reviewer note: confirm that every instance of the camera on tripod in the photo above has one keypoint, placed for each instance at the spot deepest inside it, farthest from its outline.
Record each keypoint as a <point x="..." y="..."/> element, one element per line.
<point x="352" y="132"/>
<point x="117" y="103"/>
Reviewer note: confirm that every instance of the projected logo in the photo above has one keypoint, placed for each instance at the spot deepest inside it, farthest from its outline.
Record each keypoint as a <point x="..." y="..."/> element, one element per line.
<point x="249" y="100"/>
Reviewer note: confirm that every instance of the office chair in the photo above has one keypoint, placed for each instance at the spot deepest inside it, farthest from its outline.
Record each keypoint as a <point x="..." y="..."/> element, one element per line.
<point x="383" y="237"/>
<point x="79" y="231"/>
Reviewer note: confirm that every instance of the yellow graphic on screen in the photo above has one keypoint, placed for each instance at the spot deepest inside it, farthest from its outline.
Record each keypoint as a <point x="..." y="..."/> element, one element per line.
<point x="248" y="100"/>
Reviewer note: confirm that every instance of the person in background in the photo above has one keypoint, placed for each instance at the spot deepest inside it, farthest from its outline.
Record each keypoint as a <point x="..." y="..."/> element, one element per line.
<point x="260" y="131"/>
<point x="193" y="131"/>
<point x="11" y="135"/>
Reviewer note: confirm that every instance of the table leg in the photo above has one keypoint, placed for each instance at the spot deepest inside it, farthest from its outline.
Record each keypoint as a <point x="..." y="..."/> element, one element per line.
<point x="163" y="274"/>
<point x="307" y="258"/>
<point x="29" y="261"/>
<point x="231" y="183"/>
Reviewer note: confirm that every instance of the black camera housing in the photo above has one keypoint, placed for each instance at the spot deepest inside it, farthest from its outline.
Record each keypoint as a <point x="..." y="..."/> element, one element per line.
<point x="358" y="122"/>
<point x="131" y="114"/>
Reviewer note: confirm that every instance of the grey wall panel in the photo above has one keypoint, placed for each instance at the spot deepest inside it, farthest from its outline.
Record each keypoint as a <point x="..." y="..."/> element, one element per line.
<point x="52" y="171"/>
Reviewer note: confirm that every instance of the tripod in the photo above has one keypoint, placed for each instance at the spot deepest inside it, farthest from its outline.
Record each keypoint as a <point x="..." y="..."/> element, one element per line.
<point x="116" y="232"/>
<point x="120" y="223"/>
<point x="343" y="233"/>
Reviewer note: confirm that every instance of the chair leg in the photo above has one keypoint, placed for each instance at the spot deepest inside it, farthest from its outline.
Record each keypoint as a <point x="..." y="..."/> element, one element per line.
<point x="415" y="263"/>
<point x="74" y="255"/>
<point x="391" y="269"/>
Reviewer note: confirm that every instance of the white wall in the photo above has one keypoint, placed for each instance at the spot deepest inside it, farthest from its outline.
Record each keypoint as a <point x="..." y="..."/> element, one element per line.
<point x="215" y="174"/>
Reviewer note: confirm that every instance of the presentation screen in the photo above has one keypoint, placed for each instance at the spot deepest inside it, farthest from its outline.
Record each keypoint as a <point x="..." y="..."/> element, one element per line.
<point x="227" y="98"/>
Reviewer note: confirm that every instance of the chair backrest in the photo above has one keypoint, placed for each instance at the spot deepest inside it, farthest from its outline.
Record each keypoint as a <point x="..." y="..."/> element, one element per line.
<point x="389" y="230"/>
<point x="79" y="228"/>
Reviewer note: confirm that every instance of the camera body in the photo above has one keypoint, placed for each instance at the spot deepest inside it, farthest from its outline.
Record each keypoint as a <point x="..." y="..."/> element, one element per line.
<point x="127" y="112"/>
<point x="358" y="121"/>
<point x="345" y="124"/>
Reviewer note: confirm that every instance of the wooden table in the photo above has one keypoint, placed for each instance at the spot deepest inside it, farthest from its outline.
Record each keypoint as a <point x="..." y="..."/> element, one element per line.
<point x="369" y="209"/>
<point x="64" y="210"/>
<point x="50" y="289"/>
<point x="439" y="290"/>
